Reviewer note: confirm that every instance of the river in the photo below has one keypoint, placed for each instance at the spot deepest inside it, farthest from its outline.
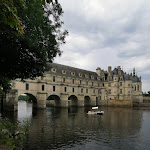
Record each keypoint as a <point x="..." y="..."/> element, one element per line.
<point x="73" y="129"/>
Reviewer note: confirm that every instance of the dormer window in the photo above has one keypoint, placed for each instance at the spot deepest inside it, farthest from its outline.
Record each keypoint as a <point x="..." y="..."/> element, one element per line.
<point x="98" y="78"/>
<point x="64" y="71"/>
<point x="80" y="75"/>
<point x="73" y="73"/>
<point x="92" y="77"/>
<point x="53" y="70"/>
<point x="86" y="75"/>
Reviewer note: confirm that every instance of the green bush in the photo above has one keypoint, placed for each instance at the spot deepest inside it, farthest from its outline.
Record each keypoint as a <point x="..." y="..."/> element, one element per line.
<point x="12" y="135"/>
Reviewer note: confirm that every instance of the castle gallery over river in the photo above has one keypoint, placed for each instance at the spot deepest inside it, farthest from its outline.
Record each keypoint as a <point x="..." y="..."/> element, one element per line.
<point x="65" y="86"/>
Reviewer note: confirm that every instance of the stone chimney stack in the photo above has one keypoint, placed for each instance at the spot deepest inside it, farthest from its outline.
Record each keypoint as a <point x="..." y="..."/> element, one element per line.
<point x="98" y="71"/>
<point x="119" y="70"/>
<point x="109" y="69"/>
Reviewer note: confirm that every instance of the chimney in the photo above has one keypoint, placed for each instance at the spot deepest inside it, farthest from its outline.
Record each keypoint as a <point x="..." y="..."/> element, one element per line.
<point x="98" y="71"/>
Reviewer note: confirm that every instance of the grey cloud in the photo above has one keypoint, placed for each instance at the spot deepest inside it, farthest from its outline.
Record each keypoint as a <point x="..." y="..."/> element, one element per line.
<point x="113" y="34"/>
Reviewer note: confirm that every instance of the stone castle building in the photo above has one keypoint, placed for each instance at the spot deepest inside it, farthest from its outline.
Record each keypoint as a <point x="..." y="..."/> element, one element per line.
<point x="66" y="86"/>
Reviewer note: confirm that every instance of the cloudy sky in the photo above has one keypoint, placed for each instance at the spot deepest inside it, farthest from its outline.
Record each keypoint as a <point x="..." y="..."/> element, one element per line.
<point x="106" y="33"/>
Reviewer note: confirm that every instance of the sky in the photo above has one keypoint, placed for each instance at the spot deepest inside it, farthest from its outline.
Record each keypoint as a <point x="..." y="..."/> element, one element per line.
<point x="106" y="33"/>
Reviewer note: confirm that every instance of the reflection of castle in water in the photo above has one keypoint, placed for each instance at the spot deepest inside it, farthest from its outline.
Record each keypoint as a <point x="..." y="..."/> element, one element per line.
<point x="54" y="128"/>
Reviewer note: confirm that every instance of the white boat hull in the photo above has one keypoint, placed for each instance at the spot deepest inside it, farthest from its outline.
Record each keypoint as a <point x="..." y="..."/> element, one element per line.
<point x="95" y="112"/>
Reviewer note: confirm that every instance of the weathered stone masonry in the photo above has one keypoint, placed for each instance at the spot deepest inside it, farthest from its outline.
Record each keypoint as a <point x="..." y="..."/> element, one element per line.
<point x="68" y="86"/>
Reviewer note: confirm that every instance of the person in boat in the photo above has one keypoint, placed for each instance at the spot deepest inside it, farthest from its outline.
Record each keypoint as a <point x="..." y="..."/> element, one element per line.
<point x="92" y="110"/>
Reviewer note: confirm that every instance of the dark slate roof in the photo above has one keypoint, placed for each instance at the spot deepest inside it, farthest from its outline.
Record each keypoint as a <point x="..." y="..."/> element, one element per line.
<point x="69" y="69"/>
<point x="115" y="71"/>
<point x="135" y="79"/>
<point x="127" y="77"/>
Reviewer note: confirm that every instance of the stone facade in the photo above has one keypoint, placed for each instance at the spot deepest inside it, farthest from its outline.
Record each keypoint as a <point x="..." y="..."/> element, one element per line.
<point x="66" y="86"/>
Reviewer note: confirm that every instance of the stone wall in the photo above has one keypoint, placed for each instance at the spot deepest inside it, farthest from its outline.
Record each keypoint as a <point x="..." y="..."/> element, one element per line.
<point x="11" y="102"/>
<point x="116" y="103"/>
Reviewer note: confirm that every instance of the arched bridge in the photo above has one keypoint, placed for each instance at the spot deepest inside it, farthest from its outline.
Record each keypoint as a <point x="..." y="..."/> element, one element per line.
<point x="42" y="93"/>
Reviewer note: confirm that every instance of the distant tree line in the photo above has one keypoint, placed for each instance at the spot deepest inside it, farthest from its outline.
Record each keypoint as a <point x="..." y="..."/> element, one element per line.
<point x="146" y="94"/>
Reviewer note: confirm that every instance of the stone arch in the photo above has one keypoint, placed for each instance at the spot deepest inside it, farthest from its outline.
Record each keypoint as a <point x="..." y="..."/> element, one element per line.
<point x="87" y="101"/>
<point x="32" y="99"/>
<point x="54" y="100"/>
<point x="72" y="100"/>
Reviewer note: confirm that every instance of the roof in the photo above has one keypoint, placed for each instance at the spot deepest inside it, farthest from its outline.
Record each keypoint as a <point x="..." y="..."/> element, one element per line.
<point x="70" y="70"/>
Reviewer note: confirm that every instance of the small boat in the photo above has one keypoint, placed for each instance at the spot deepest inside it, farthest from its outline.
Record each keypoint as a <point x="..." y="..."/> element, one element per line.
<point x="94" y="111"/>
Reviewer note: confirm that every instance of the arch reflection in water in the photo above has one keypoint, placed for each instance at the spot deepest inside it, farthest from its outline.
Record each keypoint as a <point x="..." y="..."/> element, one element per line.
<point x="54" y="100"/>
<point x="53" y="128"/>
<point x="72" y="101"/>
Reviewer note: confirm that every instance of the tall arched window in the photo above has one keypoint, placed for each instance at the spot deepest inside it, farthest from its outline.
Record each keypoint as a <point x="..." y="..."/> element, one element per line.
<point x="73" y="90"/>
<point x="72" y="81"/>
<point x="65" y="89"/>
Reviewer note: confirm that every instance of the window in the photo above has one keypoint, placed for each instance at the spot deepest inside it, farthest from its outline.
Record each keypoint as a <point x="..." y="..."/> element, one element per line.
<point x="63" y="71"/>
<point x="43" y="87"/>
<point x="72" y="73"/>
<point x="63" y="80"/>
<point x="128" y="93"/>
<point x="138" y="87"/>
<point x="99" y="91"/>
<point x="53" y="78"/>
<point x="86" y="82"/>
<point x="54" y="88"/>
<point x="128" y="84"/>
<point x="72" y="81"/>
<point x="120" y="83"/>
<point x="65" y="89"/>
<point x="81" y="90"/>
<point x="103" y="84"/>
<point x="135" y="87"/>
<point x="109" y="91"/>
<point x="94" y="91"/>
<point x="86" y="90"/>
<point x="92" y="77"/>
<point x="53" y="70"/>
<point x="86" y="75"/>
<point x="92" y="83"/>
<point x="80" y="81"/>
<point x="98" y="84"/>
<point x="80" y="75"/>
<point x="27" y="86"/>
<point x="120" y="91"/>
<point x="109" y="84"/>
<point x="73" y="90"/>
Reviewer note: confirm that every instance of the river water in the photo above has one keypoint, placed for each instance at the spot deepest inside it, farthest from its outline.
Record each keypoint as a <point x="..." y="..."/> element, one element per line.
<point x="73" y="129"/>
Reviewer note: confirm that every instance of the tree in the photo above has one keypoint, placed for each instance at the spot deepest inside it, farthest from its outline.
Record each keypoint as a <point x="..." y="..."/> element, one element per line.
<point x="8" y="14"/>
<point x="26" y="55"/>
